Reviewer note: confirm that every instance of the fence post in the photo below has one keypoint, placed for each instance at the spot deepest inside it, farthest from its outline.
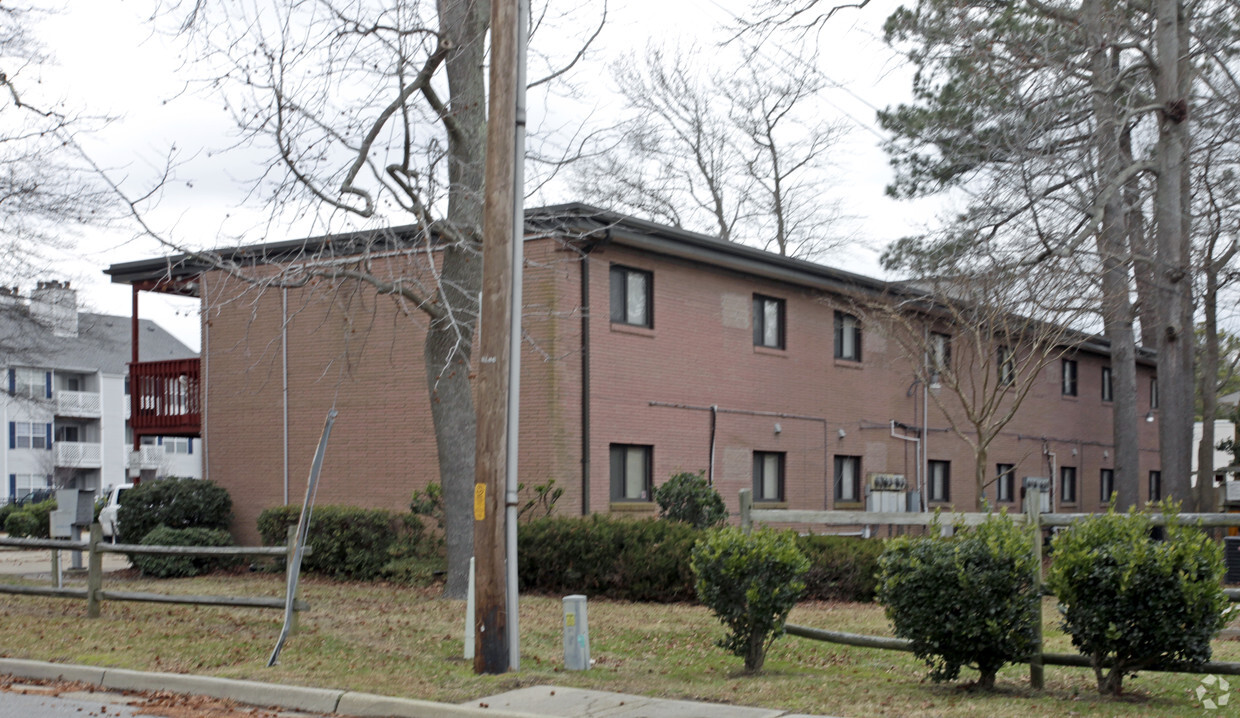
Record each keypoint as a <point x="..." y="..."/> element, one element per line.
<point x="94" y="575"/>
<point x="746" y="507"/>
<point x="1033" y="511"/>
<point x="288" y="567"/>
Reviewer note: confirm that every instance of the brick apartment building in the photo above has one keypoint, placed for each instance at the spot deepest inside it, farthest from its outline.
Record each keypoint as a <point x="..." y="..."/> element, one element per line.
<point x="650" y="350"/>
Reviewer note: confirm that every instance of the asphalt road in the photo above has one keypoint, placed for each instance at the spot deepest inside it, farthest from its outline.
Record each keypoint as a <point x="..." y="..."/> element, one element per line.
<point x="17" y="705"/>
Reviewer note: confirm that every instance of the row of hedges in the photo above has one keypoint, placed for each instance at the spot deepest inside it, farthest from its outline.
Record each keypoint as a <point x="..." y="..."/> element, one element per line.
<point x="648" y="560"/>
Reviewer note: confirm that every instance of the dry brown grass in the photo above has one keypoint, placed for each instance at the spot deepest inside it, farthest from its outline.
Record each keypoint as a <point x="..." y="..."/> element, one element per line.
<point x="404" y="641"/>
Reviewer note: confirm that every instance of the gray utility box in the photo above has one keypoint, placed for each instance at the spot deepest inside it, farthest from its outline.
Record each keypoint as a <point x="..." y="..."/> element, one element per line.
<point x="576" y="634"/>
<point x="74" y="508"/>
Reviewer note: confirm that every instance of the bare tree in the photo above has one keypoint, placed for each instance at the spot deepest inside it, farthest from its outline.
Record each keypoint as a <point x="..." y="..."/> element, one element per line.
<point x="741" y="154"/>
<point x="1007" y="325"/>
<point x="375" y="115"/>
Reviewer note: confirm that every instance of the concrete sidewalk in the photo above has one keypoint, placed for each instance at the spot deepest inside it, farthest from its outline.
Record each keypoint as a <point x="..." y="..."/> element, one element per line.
<point x="531" y="702"/>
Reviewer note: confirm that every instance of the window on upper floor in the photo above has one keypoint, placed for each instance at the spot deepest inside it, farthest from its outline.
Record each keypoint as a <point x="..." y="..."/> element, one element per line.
<point x="940" y="480"/>
<point x="1005" y="483"/>
<point x="632" y="296"/>
<point x="1068" y="377"/>
<point x="1006" y="366"/>
<point x="178" y="445"/>
<point x="1108" y="387"/>
<point x="1155" y="485"/>
<point x="847" y="337"/>
<point x="768" y="476"/>
<point x="1067" y="484"/>
<point x="30" y="383"/>
<point x="631" y="472"/>
<point x="1106" y="484"/>
<point x="768" y="322"/>
<point x="1153" y="393"/>
<point x="939" y="356"/>
<point x="29" y="435"/>
<point x="848" y="479"/>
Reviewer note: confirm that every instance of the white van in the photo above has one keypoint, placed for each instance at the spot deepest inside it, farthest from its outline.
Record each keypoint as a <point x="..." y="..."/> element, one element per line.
<point x="107" y="516"/>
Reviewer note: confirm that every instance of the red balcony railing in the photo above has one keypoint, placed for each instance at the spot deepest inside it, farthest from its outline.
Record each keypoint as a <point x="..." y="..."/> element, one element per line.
<point x="165" y="398"/>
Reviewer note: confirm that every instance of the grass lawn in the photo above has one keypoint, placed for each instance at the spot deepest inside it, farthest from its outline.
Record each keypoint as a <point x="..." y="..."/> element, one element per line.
<point x="406" y="642"/>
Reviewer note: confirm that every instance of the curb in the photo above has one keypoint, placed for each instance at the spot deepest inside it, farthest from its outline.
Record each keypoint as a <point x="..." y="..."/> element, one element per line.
<point x="298" y="698"/>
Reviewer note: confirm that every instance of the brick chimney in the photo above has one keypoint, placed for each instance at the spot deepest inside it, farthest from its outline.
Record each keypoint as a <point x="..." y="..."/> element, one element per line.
<point x="55" y="304"/>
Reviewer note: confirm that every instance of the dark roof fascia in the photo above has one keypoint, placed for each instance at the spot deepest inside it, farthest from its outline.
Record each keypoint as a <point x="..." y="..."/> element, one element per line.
<point x="594" y="224"/>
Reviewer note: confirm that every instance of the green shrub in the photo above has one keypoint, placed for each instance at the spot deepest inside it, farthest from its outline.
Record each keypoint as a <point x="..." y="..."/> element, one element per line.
<point x="750" y="583"/>
<point x="23" y="524"/>
<point x="1131" y="602"/>
<point x="349" y="542"/>
<point x="175" y="503"/>
<point x="687" y="497"/>
<point x="968" y="600"/>
<point x="159" y="566"/>
<point x="841" y="568"/>
<point x="634" y="560"/>
<point x="32" y="520"/>
<point x="5" y="511"/>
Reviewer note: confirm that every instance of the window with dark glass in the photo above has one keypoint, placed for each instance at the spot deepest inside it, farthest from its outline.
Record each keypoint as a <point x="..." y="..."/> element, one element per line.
<point x="1067" y="484"/>
<point x="1005" y="483"/>
<point x="631" y="472"/>
<point x="631" y="296"/>
<point x="1153" y="392"/>
<point x="847" y="337"/>
<point x="1155" y="485"/>
<point x="768" y="322"/>
<point x="768" y="476"/>
<point x="1108" y="389"/>
<point x="1106" y="483"/>
<point x="848" y="479"/>
<point x="940" y="480"/>
<point x="1068" y="383"/>
<point x="1007" y="366"/>
<point x="940" y="355"/>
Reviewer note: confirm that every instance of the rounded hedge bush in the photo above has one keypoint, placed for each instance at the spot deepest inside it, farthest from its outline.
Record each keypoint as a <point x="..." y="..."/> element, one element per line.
<point x="162" y="566"/>
<point x="688" y="498"/>
<point x="22" y="524"/>
<point x="349" y="542"/>
<point x="175" y="503"/>
<point x="967" y="600"/>
<point x="750" y="582"/>
<point x="1132" y="602"/>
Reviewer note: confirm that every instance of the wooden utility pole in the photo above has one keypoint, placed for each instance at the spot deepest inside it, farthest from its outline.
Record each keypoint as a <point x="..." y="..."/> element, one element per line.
<point x="491" y="654"/>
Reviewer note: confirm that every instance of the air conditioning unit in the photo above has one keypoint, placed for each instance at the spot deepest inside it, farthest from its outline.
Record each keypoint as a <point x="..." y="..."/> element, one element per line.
<point x="887" y="482"/>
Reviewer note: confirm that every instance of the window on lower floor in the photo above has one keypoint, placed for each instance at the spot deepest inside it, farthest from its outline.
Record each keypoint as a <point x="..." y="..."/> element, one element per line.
<point x="178" y="445"/>
<point x="1155" y="485"/>
<point x="1067" y="484"/>
<point x="1108" y="387"/>
<point x="1106" y="484"/>
<point x="1153" y="393"/>
<point x="631" y="472"/>
<point x="1005" y="483"/>
<point x="768" y="322"/>
<point x="848" y="479"/>
<point x="768" y="476"/>
<point x="940" y="483"/>
<point x="22" y="484"/>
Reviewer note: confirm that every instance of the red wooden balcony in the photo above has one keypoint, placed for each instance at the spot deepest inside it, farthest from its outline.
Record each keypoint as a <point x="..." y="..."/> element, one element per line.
<point x="165" y="398"/>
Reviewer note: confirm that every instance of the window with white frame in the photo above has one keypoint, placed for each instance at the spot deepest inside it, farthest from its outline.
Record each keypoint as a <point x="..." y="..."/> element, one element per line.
<point x="29" y="383"/>
<point x="940" y="480"/>
<point x="768" y="476"/>
<point x="23" y="484"/>
<point x="631" y="472"/>
<point x="29" y="435"/>
<point x="631" y="296"/>
<point x="939" y="356"/>
<point x="848" y="479"/>
<point x="847" y="337"/>
<point x="177" y="445"/>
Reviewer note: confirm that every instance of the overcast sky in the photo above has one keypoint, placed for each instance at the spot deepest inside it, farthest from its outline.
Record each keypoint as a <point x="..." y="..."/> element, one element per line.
<point x="111" y="61"/>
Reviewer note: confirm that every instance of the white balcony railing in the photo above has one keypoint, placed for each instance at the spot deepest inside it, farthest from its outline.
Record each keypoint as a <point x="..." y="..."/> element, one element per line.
<point x="79" y="403"/>
<point x="79" y="455"/>
<point x="146" y="457"/>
